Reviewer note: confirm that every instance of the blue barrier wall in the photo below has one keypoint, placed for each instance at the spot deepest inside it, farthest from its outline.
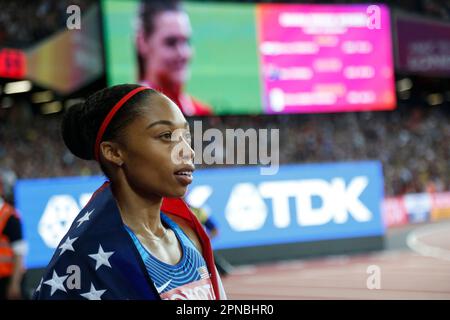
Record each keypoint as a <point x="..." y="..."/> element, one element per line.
<point x="301" y="203"/>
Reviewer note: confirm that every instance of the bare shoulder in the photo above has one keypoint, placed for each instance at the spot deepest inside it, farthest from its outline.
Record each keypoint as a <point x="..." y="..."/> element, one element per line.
<point x="187" y="230"/>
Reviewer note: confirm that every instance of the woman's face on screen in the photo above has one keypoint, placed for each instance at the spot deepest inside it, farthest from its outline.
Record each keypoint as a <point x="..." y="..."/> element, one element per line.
<point x="168" y="49"/>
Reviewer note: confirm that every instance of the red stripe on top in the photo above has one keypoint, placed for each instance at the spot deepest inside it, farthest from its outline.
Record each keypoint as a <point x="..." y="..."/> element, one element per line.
<point x="109" y="117"/>
<point x="179" y="208"/>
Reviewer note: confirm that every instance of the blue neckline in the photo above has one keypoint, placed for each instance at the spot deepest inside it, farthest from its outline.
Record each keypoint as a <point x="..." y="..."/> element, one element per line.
<point x="169" y="223"/>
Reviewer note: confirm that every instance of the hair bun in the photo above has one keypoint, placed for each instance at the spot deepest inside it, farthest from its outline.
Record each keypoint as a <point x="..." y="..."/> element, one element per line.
<point x="74" y="138"/>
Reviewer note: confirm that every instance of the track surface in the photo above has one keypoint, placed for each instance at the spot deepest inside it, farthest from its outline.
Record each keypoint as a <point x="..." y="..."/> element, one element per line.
<point x="415" y="265"/>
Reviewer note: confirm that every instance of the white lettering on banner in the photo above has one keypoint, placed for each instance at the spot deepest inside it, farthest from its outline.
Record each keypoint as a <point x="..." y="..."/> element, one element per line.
<point x="199" y="195"/>
<point x="357" y="47"/>
<point x="418" y="206"/>
<point x="394" y="212"/>
<point x="58" y="216"/>
<point x="359" y="72"/>
<point x="247" y="211"/>
<point x="279" y="191"/>
<point x="306" y="214"/>
<point x="323" y="19"/>
<point x="347" y="200"/>
<point x="364" y="96"/>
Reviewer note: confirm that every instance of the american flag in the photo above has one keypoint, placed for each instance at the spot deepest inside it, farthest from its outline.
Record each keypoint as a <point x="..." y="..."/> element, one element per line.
<point x="97" y="259"/>
<point x="203" y="271"/>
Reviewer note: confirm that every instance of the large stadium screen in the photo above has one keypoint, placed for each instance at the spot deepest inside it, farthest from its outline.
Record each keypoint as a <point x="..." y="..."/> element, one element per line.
<point x="272" y="58"/>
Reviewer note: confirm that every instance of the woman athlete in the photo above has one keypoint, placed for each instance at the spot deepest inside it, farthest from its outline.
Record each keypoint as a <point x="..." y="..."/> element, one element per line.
<point x="136" y="238"/>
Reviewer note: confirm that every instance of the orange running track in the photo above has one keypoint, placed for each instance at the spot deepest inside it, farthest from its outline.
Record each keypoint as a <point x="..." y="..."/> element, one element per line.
<point x="419" y="268"/>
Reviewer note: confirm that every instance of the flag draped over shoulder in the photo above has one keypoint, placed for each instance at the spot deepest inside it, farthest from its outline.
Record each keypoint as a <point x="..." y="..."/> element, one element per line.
<point x="97" y="259"/>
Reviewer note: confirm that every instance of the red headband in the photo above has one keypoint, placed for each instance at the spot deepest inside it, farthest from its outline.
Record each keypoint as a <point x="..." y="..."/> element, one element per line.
<point x="109" y="117"/>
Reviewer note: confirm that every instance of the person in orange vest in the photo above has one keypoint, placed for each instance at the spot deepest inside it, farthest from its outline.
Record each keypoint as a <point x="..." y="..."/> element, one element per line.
<point x="12" y="250"/>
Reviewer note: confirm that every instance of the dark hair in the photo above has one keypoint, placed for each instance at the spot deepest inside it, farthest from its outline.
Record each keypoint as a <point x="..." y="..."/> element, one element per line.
<point x="82" y="121"/>
<point x="148" y="11"/>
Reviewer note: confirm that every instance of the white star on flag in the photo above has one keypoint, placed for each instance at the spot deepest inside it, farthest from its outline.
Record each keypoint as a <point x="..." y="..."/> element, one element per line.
<point x="84" y="218"/>
<point x="93" y="294"/>
<point x="101" y="257"/>
<point x="39" y="286"/>
<point x="67" y="245"/>
<point x="57" y="283"/>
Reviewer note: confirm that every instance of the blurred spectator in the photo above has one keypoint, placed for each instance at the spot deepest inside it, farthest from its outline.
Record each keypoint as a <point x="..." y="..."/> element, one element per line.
<point x="13" y="247"/>
<point x="23" y="23"/>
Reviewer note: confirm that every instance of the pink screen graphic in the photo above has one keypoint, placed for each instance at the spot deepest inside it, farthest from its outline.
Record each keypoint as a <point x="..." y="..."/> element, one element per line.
<point x="323" y="58"/>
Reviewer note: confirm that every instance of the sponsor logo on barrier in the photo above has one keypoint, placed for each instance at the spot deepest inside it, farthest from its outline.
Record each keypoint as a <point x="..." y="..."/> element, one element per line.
<point x="394" y="212"/>
<point x="440" y="206"/>
<point x="301" y="204"/>
<point x="247" y="211"/>
<point x="418" y="207"/>
<point x="58" y="215"/>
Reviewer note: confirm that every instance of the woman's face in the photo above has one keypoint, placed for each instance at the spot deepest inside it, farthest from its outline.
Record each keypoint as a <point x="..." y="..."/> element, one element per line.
<point x="151" y="162"/>
<point x="168" y="49"/>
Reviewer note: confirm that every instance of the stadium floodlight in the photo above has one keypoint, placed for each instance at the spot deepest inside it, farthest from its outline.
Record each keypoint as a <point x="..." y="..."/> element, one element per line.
<point x="17" y="87"/>
<point x="404" y="85"/>
<point x="51" y="107"/>
<point x="435" y="99"/>
<point x="41" y="97"/>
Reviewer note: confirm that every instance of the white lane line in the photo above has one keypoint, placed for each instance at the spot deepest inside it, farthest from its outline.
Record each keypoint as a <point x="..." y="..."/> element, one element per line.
<point x="415" y="244"/>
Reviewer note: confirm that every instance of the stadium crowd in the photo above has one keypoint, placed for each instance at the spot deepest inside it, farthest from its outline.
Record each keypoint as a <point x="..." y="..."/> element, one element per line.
<point x="23" y="25"/>
<point x="409" y="143"/>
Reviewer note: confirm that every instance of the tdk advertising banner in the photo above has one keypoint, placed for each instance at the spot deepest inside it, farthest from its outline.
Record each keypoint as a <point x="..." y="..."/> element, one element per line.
<point x="301" y="203"/>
